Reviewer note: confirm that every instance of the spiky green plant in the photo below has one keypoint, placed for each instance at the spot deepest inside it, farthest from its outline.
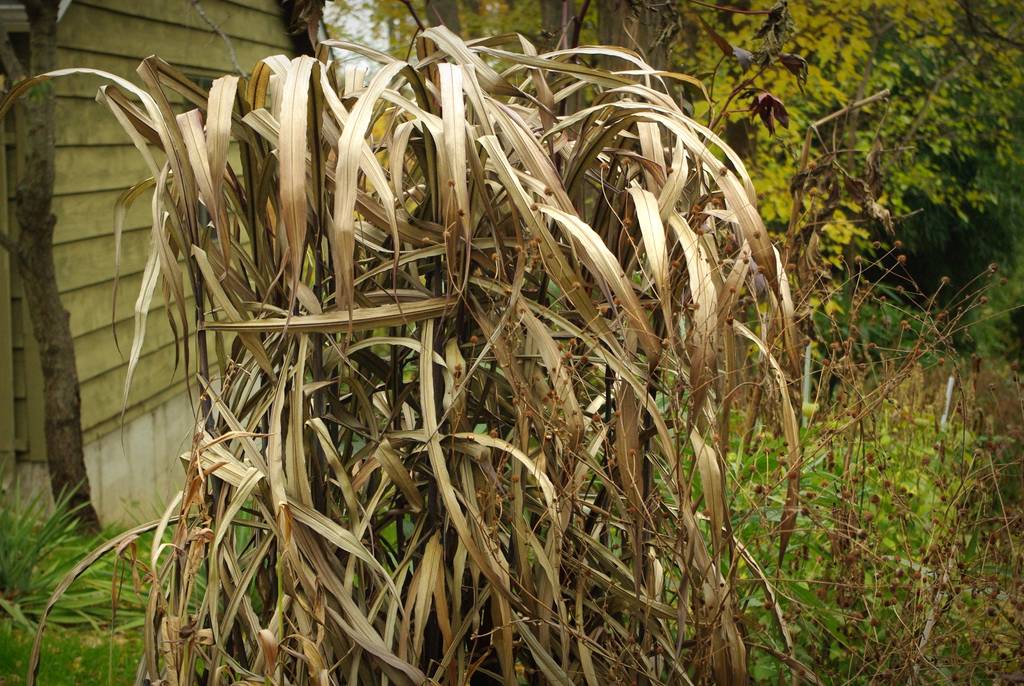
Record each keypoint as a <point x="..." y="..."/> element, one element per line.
<point x="467" y="330"/>
<point x="30" y="535"/>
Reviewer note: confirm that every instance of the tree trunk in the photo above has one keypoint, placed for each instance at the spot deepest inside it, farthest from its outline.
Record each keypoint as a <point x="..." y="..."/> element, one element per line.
<point x="637" y="26"/>
<point x="52" y="330"/>
<point x="33" y="256"/>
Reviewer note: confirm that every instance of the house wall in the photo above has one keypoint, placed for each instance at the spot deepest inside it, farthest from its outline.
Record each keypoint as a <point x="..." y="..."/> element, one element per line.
<point x="133" y="470"/>
<point x="96" y="162"/>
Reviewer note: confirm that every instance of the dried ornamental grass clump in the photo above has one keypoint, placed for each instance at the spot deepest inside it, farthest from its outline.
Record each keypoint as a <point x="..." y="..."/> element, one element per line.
<point x="467" y="330"/>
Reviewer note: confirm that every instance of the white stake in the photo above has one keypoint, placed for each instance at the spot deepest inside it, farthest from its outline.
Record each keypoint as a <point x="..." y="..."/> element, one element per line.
<point x="805" y="394"/>
<point x="949" y="398"/>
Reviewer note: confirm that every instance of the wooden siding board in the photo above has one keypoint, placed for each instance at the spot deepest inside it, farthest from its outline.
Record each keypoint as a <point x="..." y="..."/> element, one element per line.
<point x="101" y="169"/>
<point x="86" y="85"/>
<point x="98" y="354"/>
<point x="237" y="22"/>
<point x="87" y="28"/>
<point x="82" y="121"/>
<point x="105" y="392"/>
<point x="88" y="169"/>
<point x="93" y="308"/>
<point x="91" y="261"/>
<point x="21" y="422"/>
<point x="88" y="215"/>
<point x="139" y="408"/>
<point x="29" y="370"/>
<point x="272" y="7"/>
<point x="33" y="374"/>
<point x="18" y="362"/>
<point x="17" y="321"/>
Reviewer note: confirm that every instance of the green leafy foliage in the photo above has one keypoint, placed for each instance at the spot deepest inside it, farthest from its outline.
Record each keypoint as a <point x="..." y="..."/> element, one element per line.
<point x="31" y="538"/>
<point x="39" y="544"/>
<point x="904" y="564"/>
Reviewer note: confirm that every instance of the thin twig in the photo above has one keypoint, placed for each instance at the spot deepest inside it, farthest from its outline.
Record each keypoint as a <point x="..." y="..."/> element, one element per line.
<point x="805" y="153"/>
<point x="415" y="16"/>
<point x="727" y="8"/>
<point x="747" y="83"/>
<point x="198" y="6"/>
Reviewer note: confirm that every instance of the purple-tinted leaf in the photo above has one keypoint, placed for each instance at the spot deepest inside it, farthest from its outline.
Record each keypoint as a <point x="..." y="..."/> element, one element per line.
<point x="770" y="109"/>
<point x="796" y="65"/>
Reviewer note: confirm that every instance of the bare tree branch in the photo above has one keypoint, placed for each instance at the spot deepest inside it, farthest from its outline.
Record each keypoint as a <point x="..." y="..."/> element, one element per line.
<point x="198" y="7"/>
<point x="726" y="8"/>
<point x="574" y="41"/>
<point x="444" y="13"/>
<point x="414" y="14"/>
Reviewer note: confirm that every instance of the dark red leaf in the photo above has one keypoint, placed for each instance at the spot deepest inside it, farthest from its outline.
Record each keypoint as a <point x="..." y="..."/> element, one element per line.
<point x="796" y="65"/>
<point x="770" y="109"/>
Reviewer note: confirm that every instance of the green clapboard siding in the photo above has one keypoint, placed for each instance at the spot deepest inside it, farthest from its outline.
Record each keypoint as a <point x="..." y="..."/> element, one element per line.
<point x="90" y="27"/>
<point x="93" y="308"/>
<point x="97" y="168"/>
<point x="271" y="7"/>
<point x="85" y="122"/>
<point x="87" y="215"/>
<point x="91" y="261"/>
<point x="240" y="23"/>
<point x="154" y="374"/>
<point x="93" y="357"/>
<point x="95" y="164"/>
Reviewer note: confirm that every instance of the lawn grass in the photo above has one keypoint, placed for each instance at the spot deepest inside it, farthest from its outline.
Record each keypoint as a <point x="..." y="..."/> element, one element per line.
<point x="71" y="657"/>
